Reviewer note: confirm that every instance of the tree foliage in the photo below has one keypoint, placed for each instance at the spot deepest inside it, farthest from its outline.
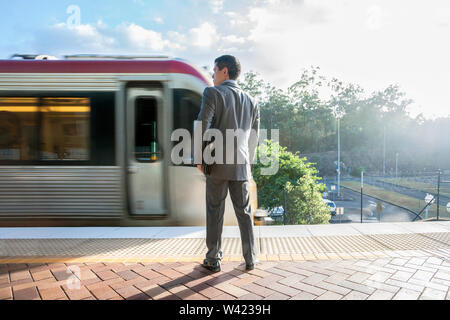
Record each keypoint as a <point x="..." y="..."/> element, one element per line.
<point x="304" y="204"/>
<point x="305" y="113"/>
<point x="299" y="179"/>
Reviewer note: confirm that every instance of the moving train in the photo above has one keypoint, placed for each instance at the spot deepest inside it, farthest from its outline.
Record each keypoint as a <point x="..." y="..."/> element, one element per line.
<point x="86" y="141"/>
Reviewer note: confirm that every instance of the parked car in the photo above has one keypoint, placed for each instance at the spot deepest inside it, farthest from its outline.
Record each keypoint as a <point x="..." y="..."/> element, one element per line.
<point x="276" y="213"/>
<point x="332" y="206"/>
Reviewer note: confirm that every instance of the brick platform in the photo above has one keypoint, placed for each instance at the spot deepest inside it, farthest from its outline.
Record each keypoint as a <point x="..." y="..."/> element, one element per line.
<point x="423" y="276"/>
<point x="356" y="261"/>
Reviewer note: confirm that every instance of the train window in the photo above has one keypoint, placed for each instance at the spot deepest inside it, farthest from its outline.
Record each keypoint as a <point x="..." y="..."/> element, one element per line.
<point x="64" y="128"/>
<point x="58" y="128"/>
<point x="147" y="147"/>
<point x="186" y="108"/>
<point x="18" y="128"/>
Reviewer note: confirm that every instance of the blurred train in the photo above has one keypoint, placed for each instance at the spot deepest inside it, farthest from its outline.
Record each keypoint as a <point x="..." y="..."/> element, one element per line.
<point x="86" y="141"/>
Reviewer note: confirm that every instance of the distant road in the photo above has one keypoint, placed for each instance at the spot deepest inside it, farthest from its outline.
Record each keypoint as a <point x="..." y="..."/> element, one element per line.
<point x="411" y="192"/>
<point x="352" y="210"/>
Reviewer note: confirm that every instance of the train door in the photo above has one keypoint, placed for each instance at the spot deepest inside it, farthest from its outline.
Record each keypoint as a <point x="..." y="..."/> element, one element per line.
<point x="144" y="114"/>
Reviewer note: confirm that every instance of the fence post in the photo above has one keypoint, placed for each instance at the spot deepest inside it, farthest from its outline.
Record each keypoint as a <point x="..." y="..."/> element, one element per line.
<point x="439" y="183"/>
<point x="362" y="183"/>
<point x="285" y="207"/>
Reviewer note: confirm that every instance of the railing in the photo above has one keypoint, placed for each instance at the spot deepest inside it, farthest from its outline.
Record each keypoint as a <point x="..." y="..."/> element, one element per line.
<point x="415" y="196"/>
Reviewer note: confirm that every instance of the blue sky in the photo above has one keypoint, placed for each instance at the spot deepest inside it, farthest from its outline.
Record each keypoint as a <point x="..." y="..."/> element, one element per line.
<point x="373" y="43"/>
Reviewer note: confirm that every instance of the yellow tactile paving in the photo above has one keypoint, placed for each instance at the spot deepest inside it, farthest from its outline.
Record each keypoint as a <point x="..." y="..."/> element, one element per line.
<point x="309" y="256"/>
<point x="442" y="237"/>
<point x="350" y="243"/>
<point x="333" y="256"/>
<point x="407" y="241"/>
<point x="183" y="250"/>
<point x="285" y="257"/>
<point x="297" y="257"/>
<point x="272" y="257"/>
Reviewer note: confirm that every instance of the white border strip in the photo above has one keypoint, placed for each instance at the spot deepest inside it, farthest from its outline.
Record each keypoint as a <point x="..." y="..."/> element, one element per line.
<point x="228" y="231"/>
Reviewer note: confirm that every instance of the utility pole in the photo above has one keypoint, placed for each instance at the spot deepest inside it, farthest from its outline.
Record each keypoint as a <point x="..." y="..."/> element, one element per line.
<point x="396" y="165"/>
<point x="362" y="184"/>
<point x="439" y="183"/>
<point x="339" y="158"/>
<point x="384" y="151"/>
<point x="285" y="207"/>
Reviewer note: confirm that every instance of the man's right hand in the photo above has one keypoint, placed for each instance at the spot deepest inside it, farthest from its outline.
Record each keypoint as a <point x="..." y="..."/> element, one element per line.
<point x="200" y="167"/>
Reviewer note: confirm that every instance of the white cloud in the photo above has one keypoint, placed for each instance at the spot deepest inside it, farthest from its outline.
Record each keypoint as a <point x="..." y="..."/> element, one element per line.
<point x="235" y="19"/>
<point x="98" y="38"/>
<point x="373" y="43"/>
<point x="83" y="37"/>
<point x="61" y="39"/>
<point x="281" y="18"/>
<point x="376" y="18"/>
<point x="177" y="37"/>
<point x="159" y="20"/>
<point x="216" y="5"/>
<point x="230" y="14"/>
<point x="137" y="37"/>
<point x="338" y="35"/>
<point x="204" y="36"/>
<point x="275" y="34"/>
<point x="443" y="17"/>
<point x="233" y="39"/>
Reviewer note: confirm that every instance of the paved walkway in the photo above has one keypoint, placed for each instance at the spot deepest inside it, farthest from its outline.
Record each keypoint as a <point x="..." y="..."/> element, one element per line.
<point x="418" y="277"/>
<point x="352" y="261"/>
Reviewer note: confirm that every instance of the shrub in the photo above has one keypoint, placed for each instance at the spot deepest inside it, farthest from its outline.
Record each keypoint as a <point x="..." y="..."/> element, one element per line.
<point x="299" y="179"/>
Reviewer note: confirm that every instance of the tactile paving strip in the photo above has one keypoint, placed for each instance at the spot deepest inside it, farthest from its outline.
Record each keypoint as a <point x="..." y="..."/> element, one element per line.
<point x="408" y="241"/>
<point x="442" y="237"/>
<point x="181" y="247"/>
<point x="290" y="245"/>
<point x="344" y="244"/>
<point x="101" y="247"/>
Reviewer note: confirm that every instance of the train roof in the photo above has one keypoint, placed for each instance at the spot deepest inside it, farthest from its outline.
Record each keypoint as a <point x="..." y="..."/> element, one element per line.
<point x="103" y="66"/>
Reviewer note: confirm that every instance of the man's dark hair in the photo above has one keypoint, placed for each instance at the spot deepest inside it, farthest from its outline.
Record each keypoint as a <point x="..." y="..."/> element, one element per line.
<point x="232" y="63"/>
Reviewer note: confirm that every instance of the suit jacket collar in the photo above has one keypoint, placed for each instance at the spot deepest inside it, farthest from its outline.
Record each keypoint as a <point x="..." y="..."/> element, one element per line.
<point x="231" y="83"/>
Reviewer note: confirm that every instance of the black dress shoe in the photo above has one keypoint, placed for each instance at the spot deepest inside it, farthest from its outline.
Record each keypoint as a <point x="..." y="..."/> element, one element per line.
<point x="249" y="266"/>
<point x="214" y="267"/>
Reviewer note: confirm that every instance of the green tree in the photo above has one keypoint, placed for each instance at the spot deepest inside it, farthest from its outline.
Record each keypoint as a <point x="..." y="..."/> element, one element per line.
<point x="298" y="178"/>
<point x="252" y="84"/>
<point x="305" y="115"/>
<point x="304" y="202"/>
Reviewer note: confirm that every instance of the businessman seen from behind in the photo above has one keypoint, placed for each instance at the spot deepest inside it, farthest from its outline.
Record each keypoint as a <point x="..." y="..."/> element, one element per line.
<point x="227" y="108"/>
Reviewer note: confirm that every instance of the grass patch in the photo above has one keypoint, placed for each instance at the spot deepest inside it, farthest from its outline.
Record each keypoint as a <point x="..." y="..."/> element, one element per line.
<point x="422" y="186"/>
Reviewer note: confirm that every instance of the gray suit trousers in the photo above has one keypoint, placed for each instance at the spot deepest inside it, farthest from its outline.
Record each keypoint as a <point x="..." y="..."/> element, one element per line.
<point x="216" y="193"/>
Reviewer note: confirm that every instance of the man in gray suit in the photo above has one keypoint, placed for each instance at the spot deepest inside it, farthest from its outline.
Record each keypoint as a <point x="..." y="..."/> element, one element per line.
<point x="226" y="108"/>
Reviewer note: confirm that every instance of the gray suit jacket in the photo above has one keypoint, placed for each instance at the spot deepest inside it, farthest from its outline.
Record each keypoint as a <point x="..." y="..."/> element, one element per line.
<point x="227" y="107"/>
